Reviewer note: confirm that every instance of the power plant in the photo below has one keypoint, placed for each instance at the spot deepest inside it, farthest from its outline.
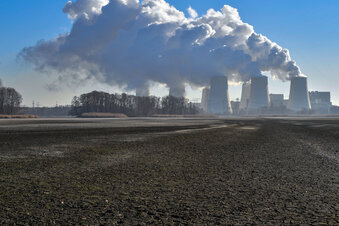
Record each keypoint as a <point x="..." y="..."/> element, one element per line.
<point x="245" y="96"/>
<point x="142" y="92"/>
<point x="299" y="98"/>
<point x="276" y="100"/>
<point x="255" y="98"/>
<point x="219" y="101"/>
<point x="204" y="99"/>
<point x="177" y="91"/>
<point x="259" y="97"/>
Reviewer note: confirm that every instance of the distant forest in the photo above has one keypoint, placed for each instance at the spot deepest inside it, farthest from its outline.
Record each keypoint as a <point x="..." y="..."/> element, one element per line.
<point x="58" y="111"/>
<point x="131" y="105"/>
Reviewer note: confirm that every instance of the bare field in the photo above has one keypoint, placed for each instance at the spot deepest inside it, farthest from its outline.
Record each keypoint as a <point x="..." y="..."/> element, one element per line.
<point x="169" y="171"/>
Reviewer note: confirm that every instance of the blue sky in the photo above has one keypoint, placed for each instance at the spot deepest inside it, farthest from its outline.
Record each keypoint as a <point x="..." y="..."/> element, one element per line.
<point x="308" y="28"/>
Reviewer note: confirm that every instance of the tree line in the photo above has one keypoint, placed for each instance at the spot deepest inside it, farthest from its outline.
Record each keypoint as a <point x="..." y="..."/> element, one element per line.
<point x="130" y="105"/>
<point x="59" y="111"/>
<point x="10" y="100"/>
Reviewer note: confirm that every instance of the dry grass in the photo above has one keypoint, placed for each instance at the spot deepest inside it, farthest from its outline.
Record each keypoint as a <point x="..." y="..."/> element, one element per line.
<point x="18" y="116"/>
<point x="103" y="115"/>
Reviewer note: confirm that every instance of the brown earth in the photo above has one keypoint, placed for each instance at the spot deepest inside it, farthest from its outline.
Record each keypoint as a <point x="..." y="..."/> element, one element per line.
<point x="230" y="171"/>
<point x="17" y="116"/>
<point x="103" y="115"/>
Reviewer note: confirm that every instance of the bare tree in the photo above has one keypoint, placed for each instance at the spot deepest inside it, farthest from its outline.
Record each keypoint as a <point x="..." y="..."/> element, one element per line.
<point x="10" y="100"/>
<point x="130" y="105"/>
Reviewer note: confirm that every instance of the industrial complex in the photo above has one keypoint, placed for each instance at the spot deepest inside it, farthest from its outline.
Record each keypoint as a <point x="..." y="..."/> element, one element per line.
<point x="256" y="99"/>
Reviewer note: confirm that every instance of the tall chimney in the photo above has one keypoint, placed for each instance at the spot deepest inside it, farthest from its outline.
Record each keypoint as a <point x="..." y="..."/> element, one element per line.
<point x="219" y="101"/>
<point x="259" y="93"/>
<point x="245" y="96"/>
<point x="299" y="97"/>
<point x="204" y="98"/>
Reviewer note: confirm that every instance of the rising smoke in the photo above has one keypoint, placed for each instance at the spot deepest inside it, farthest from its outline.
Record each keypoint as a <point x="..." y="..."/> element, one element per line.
<point x="127" y="43"/>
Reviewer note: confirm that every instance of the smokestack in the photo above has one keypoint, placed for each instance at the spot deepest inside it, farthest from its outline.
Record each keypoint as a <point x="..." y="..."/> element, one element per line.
<point x="299" y="97"/>
<point x="259" y="93"/>
<point x="219" y="101"/>
<point x="204" y="99"/>
<point x="245" y="96"/>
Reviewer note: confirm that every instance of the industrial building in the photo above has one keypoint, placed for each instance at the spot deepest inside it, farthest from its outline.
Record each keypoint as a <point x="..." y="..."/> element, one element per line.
<point x="320" y="102"/>
<point x="142" y="92"/>
<point x="235" y="107"/>
<point x="255" y="98"/>
<point x="320" y="97"/>
<point x="277" y="100"/>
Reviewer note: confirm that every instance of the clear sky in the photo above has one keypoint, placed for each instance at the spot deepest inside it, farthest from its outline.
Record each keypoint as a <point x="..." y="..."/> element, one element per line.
<point x="308" y="28"/>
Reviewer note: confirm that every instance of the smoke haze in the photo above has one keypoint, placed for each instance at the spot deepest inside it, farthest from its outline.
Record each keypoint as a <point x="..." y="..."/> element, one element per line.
<point x="127" y="43"/>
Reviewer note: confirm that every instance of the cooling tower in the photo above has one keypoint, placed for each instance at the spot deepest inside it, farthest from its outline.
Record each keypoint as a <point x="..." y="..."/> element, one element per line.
<point x="245" y="96"/>
<point x="204" y="99"/>
<point x="299" y="97"/>
<point x="142" y="92"/>
<point x="177" y="91"/>
<point x="259" y="93"/>
<point x="219" y="101"/>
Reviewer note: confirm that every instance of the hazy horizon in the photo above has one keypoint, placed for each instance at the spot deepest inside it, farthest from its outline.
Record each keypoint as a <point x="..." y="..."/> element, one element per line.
<point x="306" y="30"/>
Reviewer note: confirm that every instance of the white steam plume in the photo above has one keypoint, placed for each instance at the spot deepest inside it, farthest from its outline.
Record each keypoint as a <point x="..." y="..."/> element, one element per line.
<point x="127" y="43"/>
<point x="85" y="8"/>
<point x="193" y="14"/>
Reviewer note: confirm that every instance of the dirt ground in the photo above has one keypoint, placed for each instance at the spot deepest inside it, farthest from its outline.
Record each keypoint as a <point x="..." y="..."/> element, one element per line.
<point x="169" y="171"/>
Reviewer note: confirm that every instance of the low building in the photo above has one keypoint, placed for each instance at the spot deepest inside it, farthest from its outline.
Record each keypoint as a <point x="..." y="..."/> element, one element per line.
<point x="334" y="110"/>
<point x="320" y="102"/>
<point x="277" y="100"/>
<point x="317" y="97"/>
<point x="235" y="107"/>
